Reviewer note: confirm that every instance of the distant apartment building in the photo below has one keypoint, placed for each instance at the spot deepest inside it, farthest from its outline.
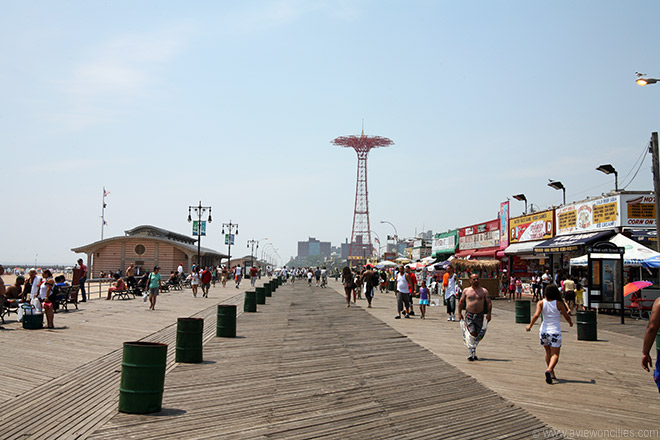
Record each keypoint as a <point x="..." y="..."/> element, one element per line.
<point x="314" y="247"/>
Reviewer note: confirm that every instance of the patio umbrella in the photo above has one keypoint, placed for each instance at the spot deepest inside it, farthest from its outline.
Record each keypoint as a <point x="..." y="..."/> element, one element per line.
<point x="635" y="286"/>
<point x="385" y="263"/>
<point x="415" y="266"/>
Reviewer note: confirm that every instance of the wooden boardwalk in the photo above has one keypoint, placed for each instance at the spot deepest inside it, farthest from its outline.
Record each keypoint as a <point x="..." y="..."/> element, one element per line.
<point x="304" y="367"/>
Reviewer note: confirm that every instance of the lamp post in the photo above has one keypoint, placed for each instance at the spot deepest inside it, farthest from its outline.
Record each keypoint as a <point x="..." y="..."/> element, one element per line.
<point x="252" y="243"/>
<point x="558" y="185"/>
<point x="522" y="197"/>
<point x="199" y="211"/>
<point x="396" y="236"/>
<point x="609" y="169"/>
<point x="642" y="80"/>
<point x="229" y="238"/>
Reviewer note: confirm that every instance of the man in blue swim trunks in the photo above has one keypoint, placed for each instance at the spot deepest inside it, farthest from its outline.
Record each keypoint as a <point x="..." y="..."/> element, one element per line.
<point x="649" y="338"/>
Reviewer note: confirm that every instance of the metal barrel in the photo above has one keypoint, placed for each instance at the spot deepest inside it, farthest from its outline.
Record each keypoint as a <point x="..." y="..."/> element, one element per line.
<point x="273" y="285"/>
<point x="261" y="295"/>
<point x="390" y="285"/>
<point x="226" y="321"/>
<point x="142" y="377"/>
<point x="523" y="309"/>
<point x="587" y="325"/>
<point x="267" y="289"/>
<point x="189" y="335"/>
<point x="250" y="303"/>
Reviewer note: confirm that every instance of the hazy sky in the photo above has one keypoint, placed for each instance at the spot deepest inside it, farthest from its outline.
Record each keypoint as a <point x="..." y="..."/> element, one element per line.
<point x="235" y="103"/>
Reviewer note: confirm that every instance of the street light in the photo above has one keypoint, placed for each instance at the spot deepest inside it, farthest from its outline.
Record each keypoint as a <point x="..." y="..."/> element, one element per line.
<point x="609" y="169"/>
<point x="378" y="249"/>
<point x="199" y="211"/>
<point x="396" y="236"/>
<point x="558" y="185"/>
<point x="521" y="197"/>
<point x="642" y="80"/>
<point x="252" y="243"/>
<point x="229" y="238"/>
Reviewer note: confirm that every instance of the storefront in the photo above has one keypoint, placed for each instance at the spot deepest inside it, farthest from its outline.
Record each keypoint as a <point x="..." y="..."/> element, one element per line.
<point x="581" y="224"/>
<point x="444" y="245"/>
<point x="479" y="241"/>
<point x="525" y="233"/>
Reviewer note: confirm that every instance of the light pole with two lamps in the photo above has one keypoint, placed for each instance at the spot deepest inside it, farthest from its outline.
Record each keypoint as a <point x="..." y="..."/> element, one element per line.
<point x="201" y="230"/>
<point x="229" y="239"/>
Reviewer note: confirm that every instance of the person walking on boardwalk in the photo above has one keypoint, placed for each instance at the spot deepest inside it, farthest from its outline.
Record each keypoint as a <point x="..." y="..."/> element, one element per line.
<point x="476" y="303"/>
<point x="238" y="275"/>
<point x="154" y="287"/>
<point x="370" y="280"/>
<point x="206" y="281"/>
<point x="649" y="337"/>
<point x="552" y="308"/>
<point x="223" y="276"/>
<point x="403" y="282"/>
<point x="424" y="296"/>
<point x="450" y="287"/>
<point x="349" y="285"/>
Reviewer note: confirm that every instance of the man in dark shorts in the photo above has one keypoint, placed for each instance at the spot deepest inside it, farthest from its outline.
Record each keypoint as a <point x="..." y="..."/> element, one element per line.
<point x="207" y="276"/>
<point x="476" y="303"/>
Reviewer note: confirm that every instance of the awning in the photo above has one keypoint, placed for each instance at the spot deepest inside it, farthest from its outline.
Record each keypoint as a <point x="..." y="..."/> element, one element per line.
<point x="477" y="253"/>
<point x="570" y="243"/>
<point x="635" y="254"/>
<point x="443" y="253"/>
<point x="526" y="247"/>
<point x="644" y="236"/>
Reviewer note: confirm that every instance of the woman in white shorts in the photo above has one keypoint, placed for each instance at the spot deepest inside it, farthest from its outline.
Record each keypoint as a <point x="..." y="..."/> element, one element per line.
<point x="552" y="308"/>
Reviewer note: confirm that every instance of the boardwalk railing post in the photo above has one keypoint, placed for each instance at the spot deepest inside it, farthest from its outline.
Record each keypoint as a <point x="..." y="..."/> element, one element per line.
<point x="142" y="377"/>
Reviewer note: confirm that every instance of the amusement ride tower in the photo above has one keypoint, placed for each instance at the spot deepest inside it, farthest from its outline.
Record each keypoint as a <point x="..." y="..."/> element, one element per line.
<point x="360" y="248"/>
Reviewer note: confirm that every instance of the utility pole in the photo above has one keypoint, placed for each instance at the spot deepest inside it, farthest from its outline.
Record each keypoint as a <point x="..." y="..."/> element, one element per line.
<point x="656" y="184"/>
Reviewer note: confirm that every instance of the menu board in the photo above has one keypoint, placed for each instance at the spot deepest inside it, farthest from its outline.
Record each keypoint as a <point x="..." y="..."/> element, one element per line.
<point x="638" y="210"/>
<point x="538" y="226"/>
<point x="586" y="216"/>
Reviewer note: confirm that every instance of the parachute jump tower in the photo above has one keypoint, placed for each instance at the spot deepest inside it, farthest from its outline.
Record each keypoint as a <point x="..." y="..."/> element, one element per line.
<point x="361" y="247"/>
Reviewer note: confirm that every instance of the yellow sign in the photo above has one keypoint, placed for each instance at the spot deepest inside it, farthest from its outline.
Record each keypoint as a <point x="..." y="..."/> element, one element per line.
<point x="537" y="226"/>
<point x="607" y="212"/>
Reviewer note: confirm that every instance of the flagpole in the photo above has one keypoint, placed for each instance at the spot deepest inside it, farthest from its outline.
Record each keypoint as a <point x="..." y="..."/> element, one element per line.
<point x="103" y="213"/>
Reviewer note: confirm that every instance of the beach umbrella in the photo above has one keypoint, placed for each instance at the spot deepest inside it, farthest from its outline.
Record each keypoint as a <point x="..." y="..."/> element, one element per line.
<point x="635" y="286"/>
<point x="415" y="266"/>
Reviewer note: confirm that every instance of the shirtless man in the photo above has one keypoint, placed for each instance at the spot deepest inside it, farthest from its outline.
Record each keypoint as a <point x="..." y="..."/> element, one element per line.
<point x="649" y="337"/>
<point x="476" y="302"/>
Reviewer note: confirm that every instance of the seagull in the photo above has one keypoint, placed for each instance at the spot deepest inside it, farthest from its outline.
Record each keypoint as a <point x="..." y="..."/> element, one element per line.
<point x="639" y="75"/>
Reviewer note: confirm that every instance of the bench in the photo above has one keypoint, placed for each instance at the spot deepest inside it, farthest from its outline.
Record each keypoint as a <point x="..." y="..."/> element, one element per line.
<point x="639" y="311"/>
<point x="124" y="294"/>
<point x="164" y="287"/>
<point x="66" y="295"/>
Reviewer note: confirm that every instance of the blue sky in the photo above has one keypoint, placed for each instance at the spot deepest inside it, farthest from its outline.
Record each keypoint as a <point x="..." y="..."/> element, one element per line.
<point x="235" y="104"/>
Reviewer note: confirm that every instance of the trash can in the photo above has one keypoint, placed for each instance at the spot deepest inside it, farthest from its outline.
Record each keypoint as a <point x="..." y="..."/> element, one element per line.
<point x="142" y="377"/>
<point x="226" y="321"/>
<point x="523" y="309"/>
<point x="390" y="285"/>
<point x="273" y="285"/>
<point x="33" y="322"/>
<point x="250" y="303"/>
<point x="261" y="295"/>
<point x="189" y="335"/>
<point x="587" y="325"/>
<point x="267" y="289"/>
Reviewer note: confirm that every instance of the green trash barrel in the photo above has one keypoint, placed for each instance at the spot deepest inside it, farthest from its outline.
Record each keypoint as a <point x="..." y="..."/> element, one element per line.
<point x="33" y="322"/>
<point x="267" y="289"/>
<point x="250" y="303"/>
<point x="390" y="285"/>
<point x="261" y="295"/>
<point x="189" y="335"/>
<point x="523" y="309"/>
<point x="226" y="324"/>
<point x="279" y="281"/>
<point x="142" y="377"/>
<point x="273" y="285"/>
<point x="587" y="325"/>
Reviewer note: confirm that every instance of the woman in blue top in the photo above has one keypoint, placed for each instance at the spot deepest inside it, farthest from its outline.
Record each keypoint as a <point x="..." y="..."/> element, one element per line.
<point x="154" y="287"/>
<point x="423" y="300"/>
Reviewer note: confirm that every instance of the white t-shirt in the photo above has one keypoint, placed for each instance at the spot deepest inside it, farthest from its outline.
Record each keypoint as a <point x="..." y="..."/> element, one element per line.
<point x="34" y="292"/>
<point x="179" y="269"/>
<point x="451" y="287"/>
<point x="238" y="270"/>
